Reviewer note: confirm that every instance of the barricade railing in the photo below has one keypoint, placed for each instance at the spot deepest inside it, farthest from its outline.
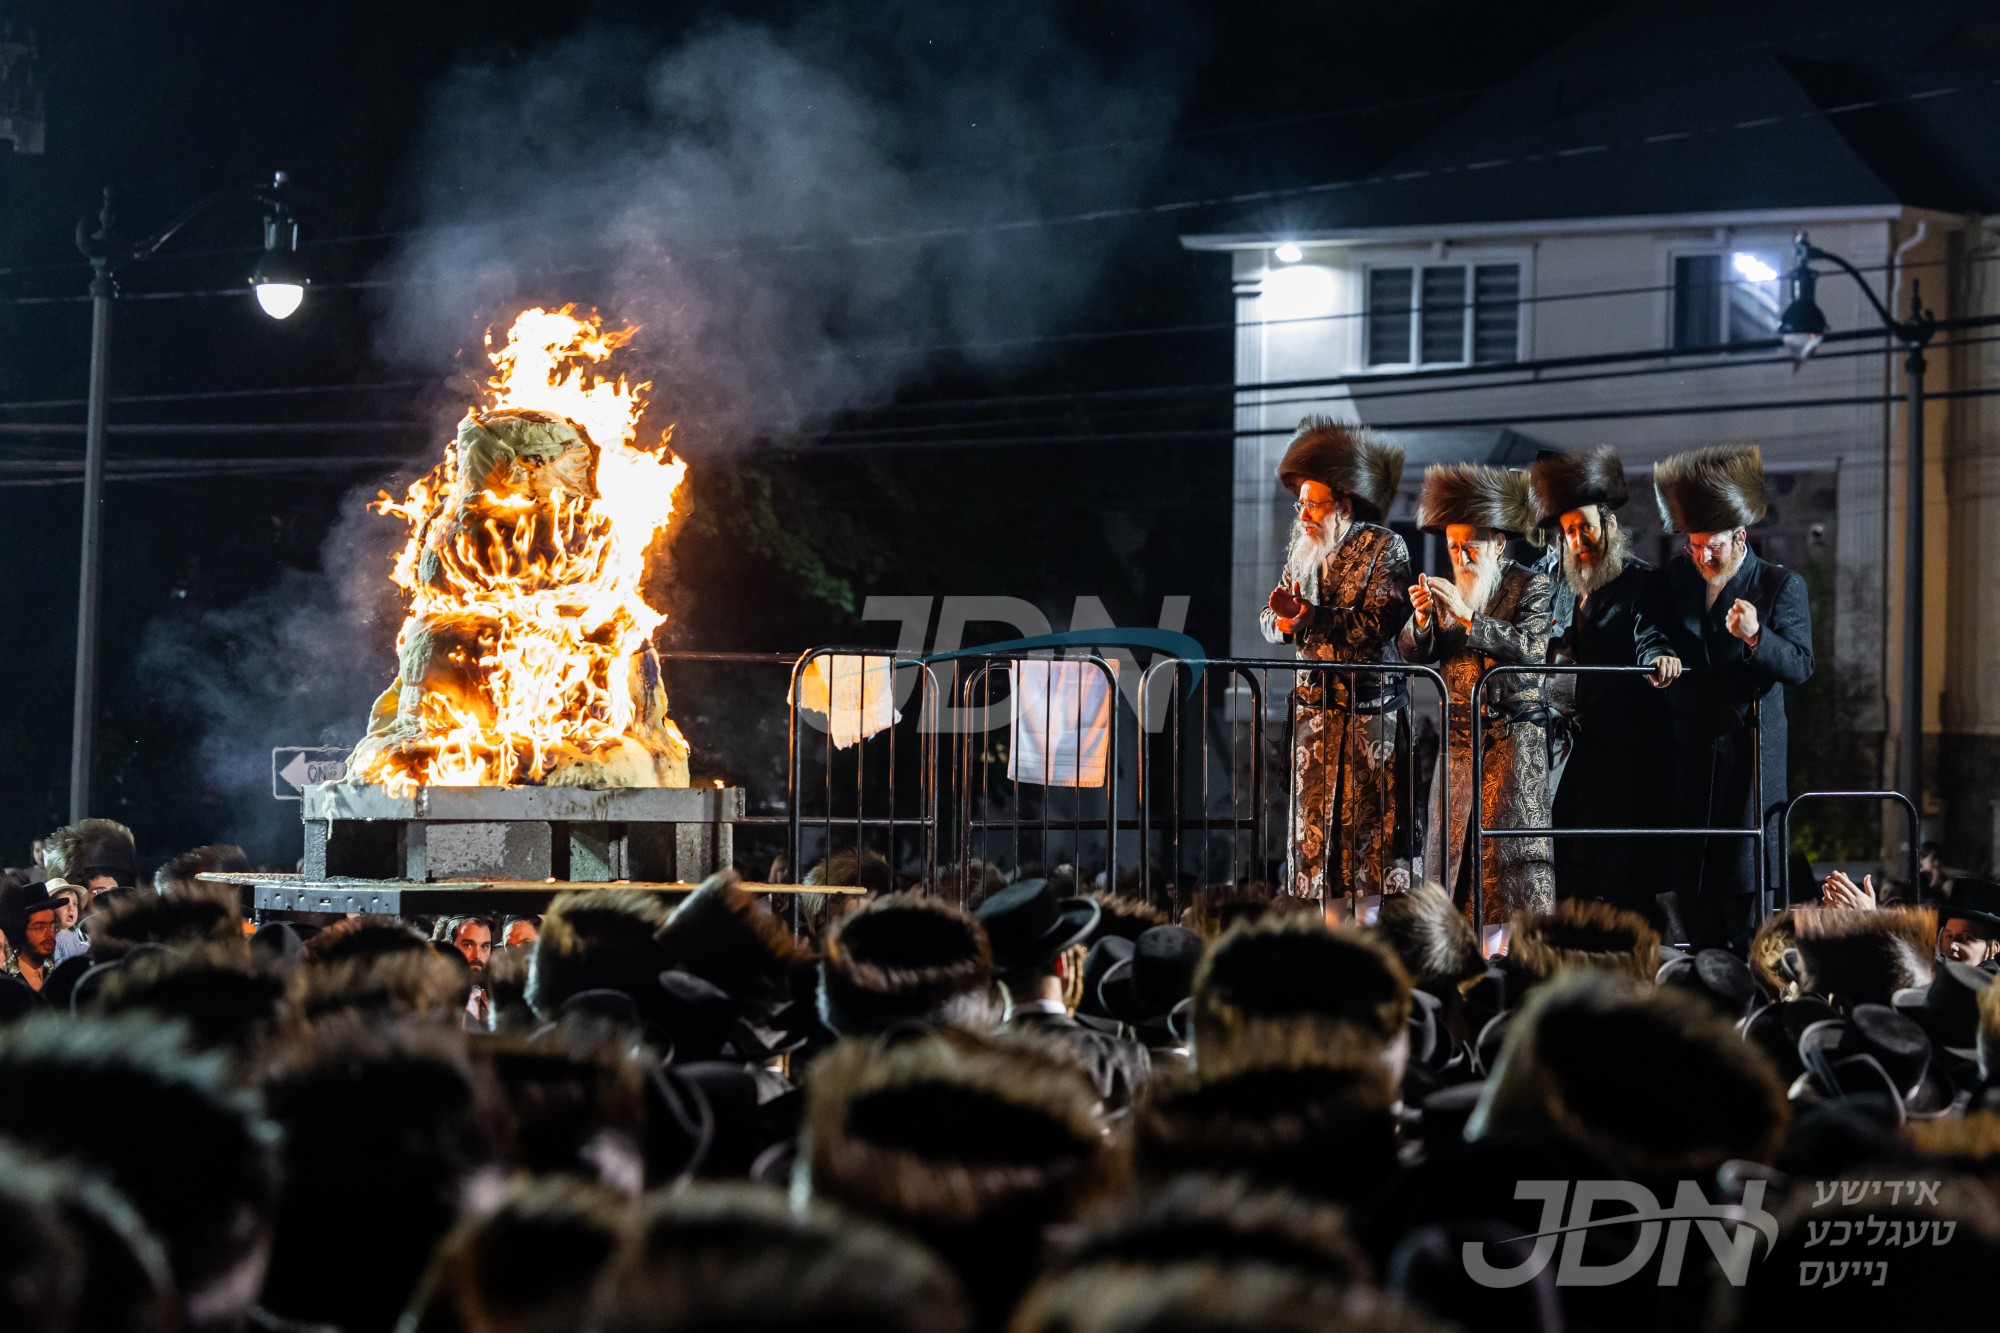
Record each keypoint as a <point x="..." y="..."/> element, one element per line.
<point x="1481" y="833"/>
<point x="1179" y="823"/>
<point x="1163" y="728"/>
<point x="886" y="817"/>
<point x="1910" y="823"/>
<point x="712" y="718"/>
<point x="977" y="823"/>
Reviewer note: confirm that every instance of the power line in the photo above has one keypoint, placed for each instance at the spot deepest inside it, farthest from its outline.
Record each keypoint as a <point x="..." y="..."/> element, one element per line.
<point x="1128" y="212"/>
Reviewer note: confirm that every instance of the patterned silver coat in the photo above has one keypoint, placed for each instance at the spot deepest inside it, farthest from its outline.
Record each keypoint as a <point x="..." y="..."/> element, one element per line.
<point x="1344" y="740"/>
<point x="1514" y="628"/>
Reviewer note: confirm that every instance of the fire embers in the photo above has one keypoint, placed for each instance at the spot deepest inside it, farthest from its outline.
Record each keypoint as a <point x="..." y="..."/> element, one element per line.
<point x="527" y="655"/>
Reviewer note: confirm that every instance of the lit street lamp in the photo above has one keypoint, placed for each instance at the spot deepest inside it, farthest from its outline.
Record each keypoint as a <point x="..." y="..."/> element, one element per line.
<point x="1802" y="326"/>
<point x="279" y="283"/>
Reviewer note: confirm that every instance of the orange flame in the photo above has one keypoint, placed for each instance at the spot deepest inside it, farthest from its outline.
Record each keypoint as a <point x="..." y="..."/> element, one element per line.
<point x="526" y="655"/>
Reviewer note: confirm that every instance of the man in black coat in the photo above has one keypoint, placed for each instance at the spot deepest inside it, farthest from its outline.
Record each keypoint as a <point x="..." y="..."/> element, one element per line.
<point x="1619" y="733"/>
<point x="1742" y="627"/>
<point x="1031" y="931"/>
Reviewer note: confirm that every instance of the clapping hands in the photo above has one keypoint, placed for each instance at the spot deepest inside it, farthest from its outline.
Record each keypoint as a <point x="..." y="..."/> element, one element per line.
<point x="1837" y="890"/>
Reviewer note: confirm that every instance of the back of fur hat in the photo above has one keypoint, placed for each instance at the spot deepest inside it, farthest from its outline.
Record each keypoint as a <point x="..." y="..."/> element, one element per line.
<point x="1584" y="934"/>
<point x="730" y="939"/>
<point x="1865" y="957"/>
<point x="1429" y="934"/>
<point x="91" y="846"/>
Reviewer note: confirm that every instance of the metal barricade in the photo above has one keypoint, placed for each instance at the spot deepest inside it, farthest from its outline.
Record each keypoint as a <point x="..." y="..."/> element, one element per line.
<point x="974" y="690"/>
<point x="719" y="748"/>
<point x="1785" y="832"/>
<point x="890" y="816"/>
<point x="1204" y="824"/>
<point x="1480" y="833"/>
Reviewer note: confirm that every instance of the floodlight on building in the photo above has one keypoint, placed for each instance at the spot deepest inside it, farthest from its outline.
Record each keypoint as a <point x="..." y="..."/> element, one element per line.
<point x="1289" y="253"/>
<point x="1752" y="268"/>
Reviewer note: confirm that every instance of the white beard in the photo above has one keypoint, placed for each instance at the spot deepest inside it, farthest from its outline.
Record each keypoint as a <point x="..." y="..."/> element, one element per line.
<point x="1308" y="555"/>
<point x="1476" y="584"/>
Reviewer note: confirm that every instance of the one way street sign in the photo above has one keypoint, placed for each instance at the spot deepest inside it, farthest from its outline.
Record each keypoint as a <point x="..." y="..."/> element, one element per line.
<point x="295" y="767"/>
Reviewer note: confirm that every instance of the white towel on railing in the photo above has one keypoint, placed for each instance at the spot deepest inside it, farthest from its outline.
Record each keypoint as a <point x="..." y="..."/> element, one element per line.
<point x="856" y="696"/>
<point x="1062" y="722"/>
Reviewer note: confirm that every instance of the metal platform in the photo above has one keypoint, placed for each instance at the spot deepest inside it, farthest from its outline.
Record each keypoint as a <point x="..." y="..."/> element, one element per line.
<point x="517" y="835"/>
<point x="274" y="891"/>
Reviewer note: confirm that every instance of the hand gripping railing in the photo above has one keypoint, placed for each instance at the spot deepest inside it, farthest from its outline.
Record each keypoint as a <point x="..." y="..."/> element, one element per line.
<point x="1785" y="831"/>
<point x="890" y="821"/>
<point x="1178" y="821"/>
<point x="968" y="740"/>
<point x="1480" y="833"/>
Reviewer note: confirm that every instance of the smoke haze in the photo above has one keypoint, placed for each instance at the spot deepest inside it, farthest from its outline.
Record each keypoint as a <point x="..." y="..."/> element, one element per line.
<point x="799" y="217"/>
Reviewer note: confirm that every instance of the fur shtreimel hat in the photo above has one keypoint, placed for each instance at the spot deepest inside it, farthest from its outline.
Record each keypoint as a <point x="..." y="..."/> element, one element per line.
<point x="1346" y="459"/>
<point x="1712" y="490"/>
<point x="1653" y="1078"/>
<point x="1581" y="933"/>
<point x="953" y="1129"/>
<point x="1485" y="497"/>
<point x="89" y="847"/>
<point x="906" y="956"/>
<point x="599" y="939"/>
<point x="1563" y="482"/>
<point x="1865" y="957"/>
<point x="207" y="915"/>
<point x="729" y="939"/>
<point x="976" y="1145"/>
<point x="1275" y="990"/>
<point x="1224" y="1219"/>
<point x="1320" y="1130"/>
<point x="1430" y="935"/>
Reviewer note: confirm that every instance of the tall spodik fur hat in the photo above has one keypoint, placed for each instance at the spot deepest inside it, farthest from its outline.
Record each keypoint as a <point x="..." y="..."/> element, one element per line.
<point x="1865" y="957"/>
<point x="1655" y="1079"/>
<point x="1285" y="988"/>
<point x="907" y="956"/>
<point x="1564" y="482"/>
<point x="1485" y="497"/>
<point x="1347" y="460"/>
<point x="1712" y="490"/>
<point x="1429" y="934"/>
<point x="77" y="852"/>
<point x="729" y="939"/>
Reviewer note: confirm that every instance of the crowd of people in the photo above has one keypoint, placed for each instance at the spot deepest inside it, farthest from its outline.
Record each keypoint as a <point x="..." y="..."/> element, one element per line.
<point x="1028" y="1108"/>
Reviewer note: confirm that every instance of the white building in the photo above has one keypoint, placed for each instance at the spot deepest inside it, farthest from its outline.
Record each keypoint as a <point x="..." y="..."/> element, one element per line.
<point x="1633" y="192"/>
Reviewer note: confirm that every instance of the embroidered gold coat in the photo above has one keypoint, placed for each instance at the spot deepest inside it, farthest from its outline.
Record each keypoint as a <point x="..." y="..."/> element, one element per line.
<point x="1344" y="741"/>
<point x="1514" y="628"/>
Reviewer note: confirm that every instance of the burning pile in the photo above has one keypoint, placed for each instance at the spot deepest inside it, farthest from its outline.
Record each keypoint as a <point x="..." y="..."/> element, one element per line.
<point x="527" y="656"/>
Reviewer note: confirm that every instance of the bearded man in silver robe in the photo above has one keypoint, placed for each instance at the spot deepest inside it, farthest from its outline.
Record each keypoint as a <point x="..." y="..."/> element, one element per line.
<point x="1342" y="598"/>
<point x="1490" y="612"/>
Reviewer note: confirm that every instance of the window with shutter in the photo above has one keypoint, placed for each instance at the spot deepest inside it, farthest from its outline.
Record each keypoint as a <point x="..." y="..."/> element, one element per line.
<point x="1389" y="316"/>
<point x="1444" y="315"/>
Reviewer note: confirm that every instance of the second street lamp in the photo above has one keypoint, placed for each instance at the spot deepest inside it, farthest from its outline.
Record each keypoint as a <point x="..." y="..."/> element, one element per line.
<point x="1801" y="327"/>
<point x="279" y="284"/>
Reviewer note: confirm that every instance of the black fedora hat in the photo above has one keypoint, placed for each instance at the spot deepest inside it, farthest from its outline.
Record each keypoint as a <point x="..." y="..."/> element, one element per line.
<point x="1948" y="1008"/>
<point x="1852" y="1055"/>
<point x="1717" y="975"/>
<point x="1105" y="954"/>
<point x="1777" y="1027"/>
<point x="1159" y="973"/>
<point x="1028" y="925"/>
<point x="1975" y="899"/>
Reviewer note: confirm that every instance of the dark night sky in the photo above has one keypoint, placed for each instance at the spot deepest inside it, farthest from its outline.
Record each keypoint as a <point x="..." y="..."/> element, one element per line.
<point x="169" y="102"/>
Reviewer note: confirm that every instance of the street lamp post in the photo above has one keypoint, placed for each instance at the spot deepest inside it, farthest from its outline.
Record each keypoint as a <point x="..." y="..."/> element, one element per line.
<point x="279" y="285"/>
<point x="1802" y="326"/>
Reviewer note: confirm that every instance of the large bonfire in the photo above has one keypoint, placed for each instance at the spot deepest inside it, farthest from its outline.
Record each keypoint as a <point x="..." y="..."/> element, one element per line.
<point x="527" y="656"/>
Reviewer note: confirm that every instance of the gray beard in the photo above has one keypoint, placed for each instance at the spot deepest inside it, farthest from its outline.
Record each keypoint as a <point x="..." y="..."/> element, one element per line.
<point x="1586" y="577"/>
<point x="1476" y="585"/>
